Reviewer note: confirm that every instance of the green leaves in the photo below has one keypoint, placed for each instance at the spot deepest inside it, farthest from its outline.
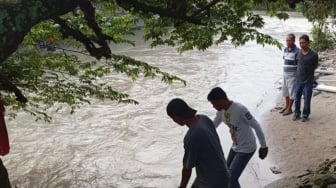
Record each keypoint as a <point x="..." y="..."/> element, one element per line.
<point x="133" y="68"/>
<point x="226" y="20"/>
<point x="317" y="12"/>
<point x="69" y="78"/>
<point x="49" y="78"/>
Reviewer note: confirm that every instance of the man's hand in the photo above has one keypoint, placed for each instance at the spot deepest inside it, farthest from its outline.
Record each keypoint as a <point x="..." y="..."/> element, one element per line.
<point x="263" y="152"/>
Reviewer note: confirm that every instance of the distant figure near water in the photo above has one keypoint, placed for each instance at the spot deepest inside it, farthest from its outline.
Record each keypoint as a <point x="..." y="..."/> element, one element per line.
<point x="241" y="122"/>
<point x="6" y="84"/>
<point x="202" y="148"/>
<point x="307" y="63"/>
<point x="4" y="147"/>
<point x="290" y="57"/>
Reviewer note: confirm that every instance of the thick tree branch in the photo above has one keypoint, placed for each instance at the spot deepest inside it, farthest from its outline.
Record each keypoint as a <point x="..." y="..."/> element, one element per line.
<point x="163" y="12"/>
<point x="16" y="20"/>
<point x="21" y="17"/>
<point x="89" y="15"/>
<point x="9" y="86"/>
<point x="88" y="43"/>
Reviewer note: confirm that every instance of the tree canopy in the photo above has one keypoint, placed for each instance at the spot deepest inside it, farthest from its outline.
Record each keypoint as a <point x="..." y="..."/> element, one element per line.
<point x="318" y="12"/>
<point x="38" y="38"/>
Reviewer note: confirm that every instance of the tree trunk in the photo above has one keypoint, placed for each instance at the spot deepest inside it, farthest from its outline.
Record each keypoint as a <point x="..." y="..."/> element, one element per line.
<point x="16" y="20"/>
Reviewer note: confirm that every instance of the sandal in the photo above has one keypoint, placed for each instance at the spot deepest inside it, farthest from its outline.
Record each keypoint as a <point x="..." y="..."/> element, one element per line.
<point x="282" y="111"/>
<point x="287" y="113"/>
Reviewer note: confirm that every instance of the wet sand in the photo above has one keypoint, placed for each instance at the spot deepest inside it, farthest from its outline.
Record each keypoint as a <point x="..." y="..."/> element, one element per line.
<point x="296" y="146"/>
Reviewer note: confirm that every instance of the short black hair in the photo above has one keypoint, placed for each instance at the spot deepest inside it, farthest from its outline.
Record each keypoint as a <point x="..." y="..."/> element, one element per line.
<point x="304" y="37"/>
<point x="291" y="35"/>
<point x="216" y="94"/>
<point x="178" y="107"/>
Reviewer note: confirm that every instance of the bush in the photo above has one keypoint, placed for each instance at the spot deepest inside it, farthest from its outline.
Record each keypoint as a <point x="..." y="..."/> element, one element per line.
<point x="323" y="39"/>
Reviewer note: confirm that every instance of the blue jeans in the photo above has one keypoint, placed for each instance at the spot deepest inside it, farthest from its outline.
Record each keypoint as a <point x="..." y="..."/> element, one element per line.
<point x="236" y="163"/>
<point x="307" y="90"/>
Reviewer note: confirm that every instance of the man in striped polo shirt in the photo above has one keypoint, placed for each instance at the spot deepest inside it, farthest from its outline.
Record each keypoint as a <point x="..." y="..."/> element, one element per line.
<point x="289" y="74"/>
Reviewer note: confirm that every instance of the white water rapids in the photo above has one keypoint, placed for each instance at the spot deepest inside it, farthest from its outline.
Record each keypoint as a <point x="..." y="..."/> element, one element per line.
<point x="116" y="145"/>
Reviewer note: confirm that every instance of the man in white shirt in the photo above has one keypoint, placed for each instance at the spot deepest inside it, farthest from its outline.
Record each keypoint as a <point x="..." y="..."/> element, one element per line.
<point x="240" y="122"/>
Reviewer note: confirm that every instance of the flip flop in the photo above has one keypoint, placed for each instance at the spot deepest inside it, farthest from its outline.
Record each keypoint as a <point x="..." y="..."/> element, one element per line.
<point x="287" y="113"/>
<point x="282" y="111"/>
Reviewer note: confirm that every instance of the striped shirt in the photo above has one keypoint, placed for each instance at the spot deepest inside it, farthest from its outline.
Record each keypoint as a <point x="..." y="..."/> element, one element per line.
<point x="290" y="59"/>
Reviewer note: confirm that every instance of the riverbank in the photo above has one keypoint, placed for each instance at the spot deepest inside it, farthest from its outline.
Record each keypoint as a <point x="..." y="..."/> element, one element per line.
<point x="296" y="146"/>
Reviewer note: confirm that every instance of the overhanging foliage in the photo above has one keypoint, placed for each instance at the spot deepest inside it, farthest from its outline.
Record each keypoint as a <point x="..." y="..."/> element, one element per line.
<point x="60" y="77"/>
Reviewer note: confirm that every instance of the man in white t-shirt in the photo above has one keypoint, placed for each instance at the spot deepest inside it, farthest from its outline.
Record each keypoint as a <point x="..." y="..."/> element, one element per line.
<point x="240" y="122"/>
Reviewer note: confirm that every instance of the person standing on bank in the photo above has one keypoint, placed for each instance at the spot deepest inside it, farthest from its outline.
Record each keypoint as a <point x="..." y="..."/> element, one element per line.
<point x="6" y="84"/>
<point x="241" y="122"/>
<point x="4" y="147"/>
<point x="307" y="63"/>
<point x="202" y="148"/>
<point x="289" y="74"/>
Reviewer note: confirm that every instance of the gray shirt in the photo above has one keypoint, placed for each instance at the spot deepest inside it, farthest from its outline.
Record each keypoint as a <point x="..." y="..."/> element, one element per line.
<point x="306" y="67"/>
<point x="204" y="151"/>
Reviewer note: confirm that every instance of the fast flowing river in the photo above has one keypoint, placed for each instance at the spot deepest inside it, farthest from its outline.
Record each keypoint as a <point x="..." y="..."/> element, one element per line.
<point x="116" y="145"/>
